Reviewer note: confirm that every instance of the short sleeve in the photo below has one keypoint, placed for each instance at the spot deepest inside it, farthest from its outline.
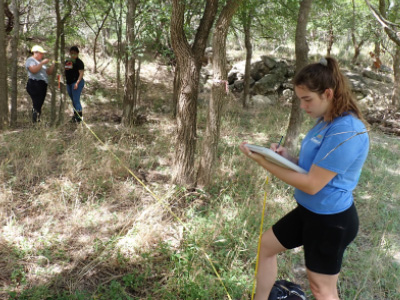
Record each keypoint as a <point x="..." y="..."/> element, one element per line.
<point x="342" y="145"/>
<point x="80" y="65"/>
<point x="30" y="62"/>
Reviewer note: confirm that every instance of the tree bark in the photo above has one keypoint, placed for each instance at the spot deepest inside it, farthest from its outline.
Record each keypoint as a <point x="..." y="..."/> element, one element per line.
<point x="177" y="81"/>
<point x="189" y="61"/>
<point x="396" y="85"/>
<point x="129" y="104"/>
<point x="63" y="90"/>
<point x="3" y="71"/>
<point x="357" y="46"/>
<point x="218" y="93"/>
<point x="14" y="62"/>
<point x="331" y="37"/>
<point x="53" y="109"/>
<point x="96" y="37"/>
<point x="301" y="50"/>
<point x="118" y="24"/>
<point x="249" y="53"/>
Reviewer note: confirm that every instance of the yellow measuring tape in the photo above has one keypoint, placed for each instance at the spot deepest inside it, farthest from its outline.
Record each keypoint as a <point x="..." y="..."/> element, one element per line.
<point x="259" y="238"/>
<point x="179" y="220"/>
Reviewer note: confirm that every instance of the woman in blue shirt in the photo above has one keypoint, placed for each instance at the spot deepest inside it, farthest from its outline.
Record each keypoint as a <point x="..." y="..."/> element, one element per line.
<point x="325" y="221"/>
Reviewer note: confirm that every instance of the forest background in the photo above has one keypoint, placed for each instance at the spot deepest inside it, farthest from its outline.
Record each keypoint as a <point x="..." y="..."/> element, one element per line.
<point x="150" y="192"/>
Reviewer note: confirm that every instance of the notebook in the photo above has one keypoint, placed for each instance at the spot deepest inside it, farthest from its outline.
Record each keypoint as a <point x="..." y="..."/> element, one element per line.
<point x="276" y="158"/>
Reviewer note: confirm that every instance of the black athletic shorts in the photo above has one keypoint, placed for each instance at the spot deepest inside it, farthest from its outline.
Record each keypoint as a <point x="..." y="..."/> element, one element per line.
<point x="324" y="237"/>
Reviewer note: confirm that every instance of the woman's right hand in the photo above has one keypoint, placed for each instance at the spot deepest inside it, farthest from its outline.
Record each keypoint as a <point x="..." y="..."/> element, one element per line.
<point x="45" y="61"/>
<point x="280" y="150"/>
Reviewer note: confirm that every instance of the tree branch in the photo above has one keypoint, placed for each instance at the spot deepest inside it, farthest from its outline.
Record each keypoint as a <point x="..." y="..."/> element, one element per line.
<point x="393" y="35"/>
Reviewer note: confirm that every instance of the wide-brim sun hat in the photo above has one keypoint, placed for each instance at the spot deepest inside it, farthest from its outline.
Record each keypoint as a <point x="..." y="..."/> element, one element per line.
<point x="38" y="48"/>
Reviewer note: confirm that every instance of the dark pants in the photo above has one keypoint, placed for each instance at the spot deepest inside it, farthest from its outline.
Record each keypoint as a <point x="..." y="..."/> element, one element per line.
<point x="37" y="89"/>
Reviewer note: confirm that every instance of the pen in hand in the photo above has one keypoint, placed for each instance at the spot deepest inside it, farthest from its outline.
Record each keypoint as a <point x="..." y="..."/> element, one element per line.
<point x="277" y="147"/>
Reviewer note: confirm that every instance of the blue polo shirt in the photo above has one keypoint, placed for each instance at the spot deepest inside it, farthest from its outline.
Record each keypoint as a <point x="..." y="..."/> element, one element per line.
<point x="340" y="146"/>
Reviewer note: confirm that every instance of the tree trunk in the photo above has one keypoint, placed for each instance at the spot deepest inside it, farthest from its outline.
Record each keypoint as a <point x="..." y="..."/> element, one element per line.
<point x="249" y="53"/>
<point x="330" y="37"/>
<point x="137" y="83"/>
<point x="119" y="48"/>
<point x="3" y="70"/>
<point x="14" y="62"/>
<point x="97" y="34"/>
<point x="129" y="104"/>
<point x="95" y="52"/>
<point x="53" y="112"/>
<point x="63" y="90"/>
<point x="189" y="61"/>
<point x="218" y="93"/>
<point x="357" y="46"/>
<point x="396" y="85"/>
<point x="301" y="49"/>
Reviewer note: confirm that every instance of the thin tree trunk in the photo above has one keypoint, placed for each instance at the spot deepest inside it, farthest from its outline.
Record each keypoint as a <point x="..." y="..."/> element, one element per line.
<point x="218" y="93"/>
<point x="249" y="53"/>
<point x="53" y="112"/>
<point x="357" y="46"/>
<point x="14" y="62"/>
<point x="63" y="90"/>
<point x="396" y="85"/>
<point x="97" y="37"/>
<point x="301" y="49"/>
<point x="189" y="60"/>
<point x="129" y="104"/>
<point x="119" y="48"/>
<point x="3" y="70"/>
<point x="330" y="37"/>
<point x="137" y="83"/>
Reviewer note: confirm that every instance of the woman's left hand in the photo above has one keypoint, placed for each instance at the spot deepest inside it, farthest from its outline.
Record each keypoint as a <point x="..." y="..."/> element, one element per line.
<point x="254" y="156"/>
<point x="76" y="86"/>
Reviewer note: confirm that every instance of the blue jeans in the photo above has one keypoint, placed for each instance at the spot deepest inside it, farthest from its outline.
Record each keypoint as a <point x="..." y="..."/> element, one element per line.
<point x="75" y="95"/>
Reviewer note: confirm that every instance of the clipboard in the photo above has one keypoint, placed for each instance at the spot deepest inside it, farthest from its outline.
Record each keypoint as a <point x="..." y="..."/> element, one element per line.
<point x="275" y="158"/>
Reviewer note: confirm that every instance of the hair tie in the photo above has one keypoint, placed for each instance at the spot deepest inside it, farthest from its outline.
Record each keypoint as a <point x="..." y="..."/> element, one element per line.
<point x="323" y="62"/>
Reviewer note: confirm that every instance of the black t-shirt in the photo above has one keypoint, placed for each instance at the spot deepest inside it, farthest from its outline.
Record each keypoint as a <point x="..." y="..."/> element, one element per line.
<point x="72" y="70"/>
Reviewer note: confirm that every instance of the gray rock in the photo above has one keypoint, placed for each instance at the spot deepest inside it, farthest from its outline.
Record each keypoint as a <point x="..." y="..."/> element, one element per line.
<point x="270" y="83"/>
<point x="357" y="84"/>
<point x="262" y="100"/>
<point x="375" y="76"/>
<point x="366" y="103"/>
<point x="232" y="76"/>
<point x="238" y="86"/>
<point x="280" y="69"/>
<point x="258" y="70"/>
<point x="268" y="61"/>
<point x="288" y="85"/>
<point x="287" y="95"/>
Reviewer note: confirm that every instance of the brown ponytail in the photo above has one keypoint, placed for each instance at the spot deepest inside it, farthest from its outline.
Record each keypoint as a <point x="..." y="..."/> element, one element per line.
<point x="318" y="77"/>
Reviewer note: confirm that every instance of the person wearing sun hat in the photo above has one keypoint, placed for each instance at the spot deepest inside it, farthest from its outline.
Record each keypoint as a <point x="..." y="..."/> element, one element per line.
<point x="38" y="79"/>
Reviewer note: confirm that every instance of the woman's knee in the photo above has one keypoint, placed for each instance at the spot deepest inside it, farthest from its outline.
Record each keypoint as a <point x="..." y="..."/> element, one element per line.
<point x="270" y="245"/>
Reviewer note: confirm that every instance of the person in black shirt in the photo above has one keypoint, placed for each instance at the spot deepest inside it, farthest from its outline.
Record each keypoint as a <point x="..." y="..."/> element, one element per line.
<point x="74" y="69"/>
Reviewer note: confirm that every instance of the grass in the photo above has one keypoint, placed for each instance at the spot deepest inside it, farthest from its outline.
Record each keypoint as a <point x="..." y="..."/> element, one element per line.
<point x="76" y="225"/>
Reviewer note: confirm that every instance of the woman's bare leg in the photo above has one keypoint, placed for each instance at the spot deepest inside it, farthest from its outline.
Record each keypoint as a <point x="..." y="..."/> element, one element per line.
<point x="323" y="287"/>
<point x="267" y="265"/>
